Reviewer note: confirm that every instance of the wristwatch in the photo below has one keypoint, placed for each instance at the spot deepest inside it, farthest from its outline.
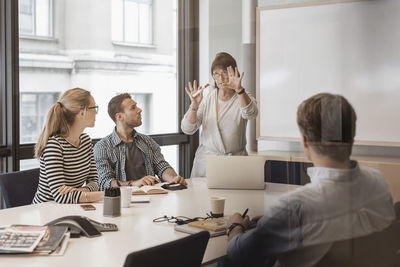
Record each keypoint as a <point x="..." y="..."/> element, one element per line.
<point x="233" y="225"/>
<point x="242" y="91"/>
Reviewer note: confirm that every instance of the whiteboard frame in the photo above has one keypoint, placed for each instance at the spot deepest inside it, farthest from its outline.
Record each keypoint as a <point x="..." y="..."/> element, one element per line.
<point x="290" y="139"/>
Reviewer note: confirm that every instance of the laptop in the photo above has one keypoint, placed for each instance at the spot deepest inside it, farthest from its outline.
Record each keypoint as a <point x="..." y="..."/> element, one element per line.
<point x="235" y="172"/>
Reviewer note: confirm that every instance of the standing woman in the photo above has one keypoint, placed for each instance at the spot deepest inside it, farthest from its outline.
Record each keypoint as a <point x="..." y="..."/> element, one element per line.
<point x="223" y="114"/>
<point x="68" y="172"/>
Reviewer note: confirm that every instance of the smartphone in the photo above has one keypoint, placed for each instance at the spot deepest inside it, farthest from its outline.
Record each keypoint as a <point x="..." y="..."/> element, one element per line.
<point x="88" y="207"/>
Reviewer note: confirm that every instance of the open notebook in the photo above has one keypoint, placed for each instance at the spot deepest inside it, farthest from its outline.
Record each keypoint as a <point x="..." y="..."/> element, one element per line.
<point x="148" y="190"/>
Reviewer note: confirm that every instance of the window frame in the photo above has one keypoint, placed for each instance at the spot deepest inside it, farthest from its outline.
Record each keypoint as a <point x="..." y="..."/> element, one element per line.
<point x="34" y="34"/>
<point x="123" y="40"/>
<point x="188" y="40"/>
<point x="10" y="81"/>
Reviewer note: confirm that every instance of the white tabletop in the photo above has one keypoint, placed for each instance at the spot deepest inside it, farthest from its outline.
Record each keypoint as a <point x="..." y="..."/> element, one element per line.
<point x="136" y="229"/>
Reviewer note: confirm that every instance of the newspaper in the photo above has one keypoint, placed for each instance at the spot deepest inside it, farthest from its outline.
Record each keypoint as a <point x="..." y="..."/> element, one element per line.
<point x="21" y="239"/>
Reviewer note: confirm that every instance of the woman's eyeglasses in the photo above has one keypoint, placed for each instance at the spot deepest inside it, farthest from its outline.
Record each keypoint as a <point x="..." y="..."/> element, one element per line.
<point x="178" y="219"/>
<point x="96" y="108"/>
<point x="217" y="75"/>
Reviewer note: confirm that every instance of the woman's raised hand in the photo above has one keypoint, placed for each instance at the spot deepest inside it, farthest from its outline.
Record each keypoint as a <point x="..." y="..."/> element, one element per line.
<point x="235" y="80"/>
<point x="195" y="98"/>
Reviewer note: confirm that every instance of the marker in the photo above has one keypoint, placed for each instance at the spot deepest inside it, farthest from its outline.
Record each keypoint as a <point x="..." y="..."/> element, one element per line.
<point x="200" y="90"/>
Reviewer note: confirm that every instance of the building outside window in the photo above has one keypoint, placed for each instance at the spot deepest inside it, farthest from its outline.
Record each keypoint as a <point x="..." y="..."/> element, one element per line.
<point x="35" y="107"/>
<point x="35" y="18"/>
<point x="86" y="57"/>
<point x="132" y="21"/>
<point x="144" y="102"/>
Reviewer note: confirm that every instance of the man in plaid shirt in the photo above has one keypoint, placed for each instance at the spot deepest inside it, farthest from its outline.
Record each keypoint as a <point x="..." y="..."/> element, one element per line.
<point x="126" y="157"/>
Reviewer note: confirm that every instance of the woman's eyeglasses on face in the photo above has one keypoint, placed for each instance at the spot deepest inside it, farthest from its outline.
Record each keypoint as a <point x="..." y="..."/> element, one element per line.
<point x="96" y="108"/>
<point x="218" y="75"/>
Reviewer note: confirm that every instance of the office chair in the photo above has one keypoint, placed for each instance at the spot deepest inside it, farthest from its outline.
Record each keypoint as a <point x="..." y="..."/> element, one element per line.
<point x="19" y="188"/>
<point x="187" y="251"/>
<point x="286" y="172"/>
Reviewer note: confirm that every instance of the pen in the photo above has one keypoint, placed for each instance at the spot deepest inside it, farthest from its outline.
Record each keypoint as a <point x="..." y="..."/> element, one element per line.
<point x="244" y="213"/>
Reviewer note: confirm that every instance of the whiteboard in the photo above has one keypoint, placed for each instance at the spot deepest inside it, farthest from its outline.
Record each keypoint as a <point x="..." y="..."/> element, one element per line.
<point x="345" y="47"/>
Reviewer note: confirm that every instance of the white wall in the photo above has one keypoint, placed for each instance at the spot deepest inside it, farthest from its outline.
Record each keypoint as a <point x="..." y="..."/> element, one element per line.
<point x="225" y="29"/>
<point x="224" y="34"/>
<point x="359" y="150"/>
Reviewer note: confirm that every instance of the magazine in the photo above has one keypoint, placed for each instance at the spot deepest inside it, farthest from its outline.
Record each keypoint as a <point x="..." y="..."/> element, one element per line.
<point x="52" y="239"/>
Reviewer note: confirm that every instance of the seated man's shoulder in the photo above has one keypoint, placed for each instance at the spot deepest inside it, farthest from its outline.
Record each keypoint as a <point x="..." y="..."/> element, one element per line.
<point x="104" y="142"/>
<point x="145" y="137"/>
<point x="371" y="173"/>
<point x="373" y="178"/>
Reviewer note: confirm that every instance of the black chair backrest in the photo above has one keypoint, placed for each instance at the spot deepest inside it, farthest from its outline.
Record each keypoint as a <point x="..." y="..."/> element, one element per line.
<point x="19" y="188"/>
<point x="188" y="251"/>
<point x="286" y="172"/>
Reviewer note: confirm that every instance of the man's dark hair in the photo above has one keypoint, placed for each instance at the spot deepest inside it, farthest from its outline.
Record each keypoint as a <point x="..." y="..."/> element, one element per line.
<point x="328" y="123"/>
<point x="115" y="104"/>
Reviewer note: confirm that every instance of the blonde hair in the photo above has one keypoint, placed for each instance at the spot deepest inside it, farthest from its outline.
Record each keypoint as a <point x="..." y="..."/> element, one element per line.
<point x="62" y="115"/>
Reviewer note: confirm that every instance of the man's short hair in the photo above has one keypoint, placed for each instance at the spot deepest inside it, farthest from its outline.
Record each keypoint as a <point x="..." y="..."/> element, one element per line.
<point x="328" y="123"/>
<point x="115" y="105"/>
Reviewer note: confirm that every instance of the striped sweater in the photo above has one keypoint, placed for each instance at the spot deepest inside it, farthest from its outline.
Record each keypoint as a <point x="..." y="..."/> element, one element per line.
<point x="64" y="164"/>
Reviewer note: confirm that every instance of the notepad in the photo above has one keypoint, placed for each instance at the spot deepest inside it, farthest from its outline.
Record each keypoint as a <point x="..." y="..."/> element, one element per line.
<point x="148" y="190"/>
<point x="185" y="228"/>
<point x="216" y="224"/>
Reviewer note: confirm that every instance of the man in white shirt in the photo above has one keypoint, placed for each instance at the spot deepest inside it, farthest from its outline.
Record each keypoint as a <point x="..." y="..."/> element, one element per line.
<point x="342" y="201"/>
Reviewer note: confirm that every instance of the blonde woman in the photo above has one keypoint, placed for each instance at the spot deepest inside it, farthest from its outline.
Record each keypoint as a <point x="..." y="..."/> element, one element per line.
<point x="67" y="169"/>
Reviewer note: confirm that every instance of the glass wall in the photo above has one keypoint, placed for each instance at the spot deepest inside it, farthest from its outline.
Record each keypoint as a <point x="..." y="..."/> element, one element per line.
<point x="105" y="46"/>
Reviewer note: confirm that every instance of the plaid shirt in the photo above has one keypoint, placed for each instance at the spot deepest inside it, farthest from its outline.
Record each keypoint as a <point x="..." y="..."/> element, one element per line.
<point x="110" y="156"/>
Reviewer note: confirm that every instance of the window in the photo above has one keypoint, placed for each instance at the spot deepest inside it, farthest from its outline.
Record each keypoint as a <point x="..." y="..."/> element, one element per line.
<point x="132" y="21"/>
<point x="170" y="154"/>
<point x="175" y="23"/>
<point x="34" y="107"/>
<point x="84" y="58"/>
<point x="144" y="102"/>
<point x="35" y="18"/>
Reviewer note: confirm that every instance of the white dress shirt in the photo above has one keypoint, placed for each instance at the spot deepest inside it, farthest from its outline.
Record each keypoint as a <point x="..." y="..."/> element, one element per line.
<point x="338" y="204"/>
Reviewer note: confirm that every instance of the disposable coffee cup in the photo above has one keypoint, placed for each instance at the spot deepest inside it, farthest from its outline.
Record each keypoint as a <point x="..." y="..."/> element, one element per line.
<point x="126" y="193"/>
<point x="217" y="206"/>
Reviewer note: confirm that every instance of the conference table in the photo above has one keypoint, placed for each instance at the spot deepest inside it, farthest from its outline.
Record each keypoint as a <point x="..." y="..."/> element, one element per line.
<point x="137" y="230"/>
